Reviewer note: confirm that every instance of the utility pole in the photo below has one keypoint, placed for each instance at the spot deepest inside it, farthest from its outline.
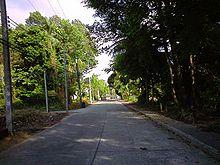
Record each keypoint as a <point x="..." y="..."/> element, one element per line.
<point x="66" y="83"/>
<point x="98" y="95"/>
<point x="46" y="92"/>
<point x="90" y="90"/>
<point x="7" y="69"/>
<point x="79" y="84"/>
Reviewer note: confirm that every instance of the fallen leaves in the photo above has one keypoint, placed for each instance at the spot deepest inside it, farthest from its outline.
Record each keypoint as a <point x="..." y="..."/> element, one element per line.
<point x="26" y="123"/>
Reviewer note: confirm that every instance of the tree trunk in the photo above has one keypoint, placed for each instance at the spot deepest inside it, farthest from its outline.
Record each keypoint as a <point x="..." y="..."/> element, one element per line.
<point x="171" y="74"/>
<point x="193" y="88"/>
<point x="144" y="97"/>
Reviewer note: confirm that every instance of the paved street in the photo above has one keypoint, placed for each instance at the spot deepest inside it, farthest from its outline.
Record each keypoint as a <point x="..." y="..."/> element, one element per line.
<point x="103" y="134"/>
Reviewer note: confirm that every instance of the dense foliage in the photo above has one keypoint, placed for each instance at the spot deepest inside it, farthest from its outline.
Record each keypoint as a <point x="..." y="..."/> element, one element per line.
<point x="99" y="88"/>
<point x="164" y="51"/>
<point x="44" y="45"/>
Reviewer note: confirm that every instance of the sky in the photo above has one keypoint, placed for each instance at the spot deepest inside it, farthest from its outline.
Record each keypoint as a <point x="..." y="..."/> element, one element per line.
<point x="19" y="10"/>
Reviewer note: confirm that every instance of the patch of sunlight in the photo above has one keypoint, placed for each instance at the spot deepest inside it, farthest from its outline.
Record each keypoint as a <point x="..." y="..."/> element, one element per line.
<point x="104" y="140"/>
<point x="90" y="140"/>
<point x="36" y="138"/>
<point x="70" y="124"/>
<point x="135" y="117"/>
<point x="52" y="132"/>
<point x="105" y="158"/>
<point x="152" y="115"/>
<point x="127" y="113"/>
<point x="87" y="140"/>
<point x="113" y="142"/>
<point x="79" y="125"/>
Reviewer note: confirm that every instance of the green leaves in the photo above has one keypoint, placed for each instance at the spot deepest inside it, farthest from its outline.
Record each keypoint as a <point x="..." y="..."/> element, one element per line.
<point x="42" y="43"/>
<point x="153" y="42"/>
<point x="99" y="87"/>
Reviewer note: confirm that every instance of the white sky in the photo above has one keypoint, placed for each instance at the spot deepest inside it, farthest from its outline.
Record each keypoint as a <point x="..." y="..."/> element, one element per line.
<point x="19" y="10"/>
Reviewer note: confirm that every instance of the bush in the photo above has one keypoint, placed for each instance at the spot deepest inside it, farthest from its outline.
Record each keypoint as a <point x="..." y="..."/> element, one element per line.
<point x="2" y="105"/>
<point x="74" y="105"/>
<point x="18" y="104"/>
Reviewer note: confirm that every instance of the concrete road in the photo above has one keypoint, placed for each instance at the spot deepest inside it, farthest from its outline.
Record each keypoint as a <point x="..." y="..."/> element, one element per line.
<point x="104" y="134"/>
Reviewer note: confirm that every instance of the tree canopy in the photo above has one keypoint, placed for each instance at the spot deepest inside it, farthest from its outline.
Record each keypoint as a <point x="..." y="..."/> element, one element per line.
<point x="168" y="50"/>
<point x="41" y="45"/>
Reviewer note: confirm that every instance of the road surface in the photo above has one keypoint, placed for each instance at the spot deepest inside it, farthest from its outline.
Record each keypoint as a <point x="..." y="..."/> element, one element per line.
<point x="104" y="134"/>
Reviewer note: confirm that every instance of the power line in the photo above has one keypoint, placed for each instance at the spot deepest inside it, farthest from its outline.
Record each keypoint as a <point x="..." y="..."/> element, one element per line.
<point x="51" y="7"/>
<point x="12" y="25"/>
<point x="12" y="46"/>
<point x="61" y="8"/>
<point x="15" y="23"/>
<point x="5" y="27"/>
<point x="32" y="5"/>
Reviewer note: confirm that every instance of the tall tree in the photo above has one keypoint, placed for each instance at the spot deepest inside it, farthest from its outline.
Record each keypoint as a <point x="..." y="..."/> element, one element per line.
<point x="166" y="44"/>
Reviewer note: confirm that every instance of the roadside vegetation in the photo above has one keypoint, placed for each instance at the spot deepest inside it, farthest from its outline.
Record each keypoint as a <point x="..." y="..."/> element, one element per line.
<point x="166" y="58"/>
<point x="166" y="54"/>
<point x="25" y="124"/>
<point x="43" y="45"/>
<point x="47" y="47"/>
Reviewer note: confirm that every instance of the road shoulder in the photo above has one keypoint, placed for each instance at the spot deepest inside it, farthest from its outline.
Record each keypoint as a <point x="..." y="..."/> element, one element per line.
<point x="205" y="141"/>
